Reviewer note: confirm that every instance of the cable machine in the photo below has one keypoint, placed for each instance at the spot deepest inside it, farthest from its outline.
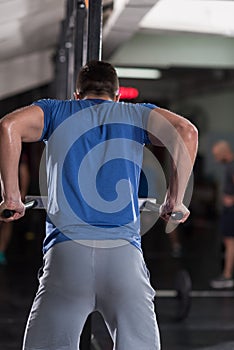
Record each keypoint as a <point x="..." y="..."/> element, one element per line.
<point x="80" y="42"/>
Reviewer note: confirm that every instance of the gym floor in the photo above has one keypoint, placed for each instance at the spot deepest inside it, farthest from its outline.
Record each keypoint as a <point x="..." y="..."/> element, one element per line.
<point x="208" y="325"/>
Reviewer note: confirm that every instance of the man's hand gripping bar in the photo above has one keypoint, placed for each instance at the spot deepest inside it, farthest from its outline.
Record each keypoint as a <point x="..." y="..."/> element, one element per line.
<point x="150" y="206"/>
<point x="7" y="213"/>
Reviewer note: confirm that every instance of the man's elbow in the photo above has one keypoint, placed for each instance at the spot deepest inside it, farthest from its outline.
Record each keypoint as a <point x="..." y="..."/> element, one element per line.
<point x="5" y="125"/>
<point x="188" y="132"/>
<point x="9" y="128"/>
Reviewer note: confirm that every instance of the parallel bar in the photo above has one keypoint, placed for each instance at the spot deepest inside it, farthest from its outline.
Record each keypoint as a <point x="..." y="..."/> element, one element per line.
<point x="170" y="293"/>
<point x="42" y="202"/>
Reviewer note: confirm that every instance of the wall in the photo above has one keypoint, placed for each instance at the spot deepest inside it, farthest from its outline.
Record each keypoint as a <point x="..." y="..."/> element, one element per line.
<point x="215" y="122"/>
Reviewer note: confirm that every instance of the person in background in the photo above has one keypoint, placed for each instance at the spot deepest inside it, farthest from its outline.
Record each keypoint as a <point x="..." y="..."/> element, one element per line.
<point x="223" y="153"/>
<point x="6" y="228"/>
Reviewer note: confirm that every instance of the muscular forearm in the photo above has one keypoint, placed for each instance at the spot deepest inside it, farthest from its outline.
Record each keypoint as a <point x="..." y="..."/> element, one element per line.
<point x="10" y="149"/>
<point x="180" y="137"/>
<point x="25" y="125"/>
<point x="183" y="157"/>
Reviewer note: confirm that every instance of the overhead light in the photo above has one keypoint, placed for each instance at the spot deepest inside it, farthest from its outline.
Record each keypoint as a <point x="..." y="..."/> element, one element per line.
<point x="204" y="16"/>
<point x="138" y="73"/>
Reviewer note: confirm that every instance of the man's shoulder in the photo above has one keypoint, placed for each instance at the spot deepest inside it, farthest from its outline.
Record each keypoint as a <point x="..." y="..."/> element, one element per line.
<point x="147" y="105"/>
<point x="52" y="101"/>
<point x="48" y="102"/>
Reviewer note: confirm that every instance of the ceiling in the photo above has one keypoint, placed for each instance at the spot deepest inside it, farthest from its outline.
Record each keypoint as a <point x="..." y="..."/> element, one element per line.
<point x="190" y="55"/>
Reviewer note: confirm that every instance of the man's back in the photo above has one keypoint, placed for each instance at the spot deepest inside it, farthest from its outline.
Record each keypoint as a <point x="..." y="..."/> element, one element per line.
<point x="94" y="159"/>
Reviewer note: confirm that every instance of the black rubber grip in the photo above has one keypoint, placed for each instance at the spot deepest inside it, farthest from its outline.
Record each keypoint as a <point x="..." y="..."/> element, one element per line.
<point x="7" y="213"/>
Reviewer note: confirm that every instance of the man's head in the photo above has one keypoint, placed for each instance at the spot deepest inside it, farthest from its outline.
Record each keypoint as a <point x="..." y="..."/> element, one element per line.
<point x="222" y="151"/>
<point x="97" y="78"/>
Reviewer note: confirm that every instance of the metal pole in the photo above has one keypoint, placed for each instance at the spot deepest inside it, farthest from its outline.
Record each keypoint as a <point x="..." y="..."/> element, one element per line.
<point x="79" y="37"/>
<point x="94" y="51"/>
<point x="60" y="82"/>
<point x="69" y="47"/>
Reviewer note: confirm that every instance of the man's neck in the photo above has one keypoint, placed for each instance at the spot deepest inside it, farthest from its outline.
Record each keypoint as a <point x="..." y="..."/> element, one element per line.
<point x="98" y="97"/>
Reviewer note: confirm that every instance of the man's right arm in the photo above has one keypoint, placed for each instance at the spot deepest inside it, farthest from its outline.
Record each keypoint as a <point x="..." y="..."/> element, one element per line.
<point x="180" y="137"/>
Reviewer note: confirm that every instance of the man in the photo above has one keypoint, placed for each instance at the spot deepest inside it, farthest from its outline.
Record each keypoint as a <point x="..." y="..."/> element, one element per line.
<point x="92" y="250"/>
<point x="223" y="153"/>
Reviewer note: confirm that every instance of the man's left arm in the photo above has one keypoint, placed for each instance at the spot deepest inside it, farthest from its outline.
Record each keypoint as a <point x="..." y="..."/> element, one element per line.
<point x="23" y="125"/>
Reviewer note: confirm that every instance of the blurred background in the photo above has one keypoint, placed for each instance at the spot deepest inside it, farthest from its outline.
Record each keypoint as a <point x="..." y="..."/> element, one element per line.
<point x="177" y="54"/>
<point x="182" y="53"/>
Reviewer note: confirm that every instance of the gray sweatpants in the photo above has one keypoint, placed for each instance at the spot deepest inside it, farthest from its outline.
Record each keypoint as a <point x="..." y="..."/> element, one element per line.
<point x="78" y="279"/>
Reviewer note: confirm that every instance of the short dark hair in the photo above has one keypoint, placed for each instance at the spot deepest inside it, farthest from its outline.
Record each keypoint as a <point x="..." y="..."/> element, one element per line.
<point x="97" y="77"/>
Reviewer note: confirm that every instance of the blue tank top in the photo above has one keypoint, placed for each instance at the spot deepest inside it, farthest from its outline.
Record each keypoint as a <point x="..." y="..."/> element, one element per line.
<point x="93" y="155"/>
